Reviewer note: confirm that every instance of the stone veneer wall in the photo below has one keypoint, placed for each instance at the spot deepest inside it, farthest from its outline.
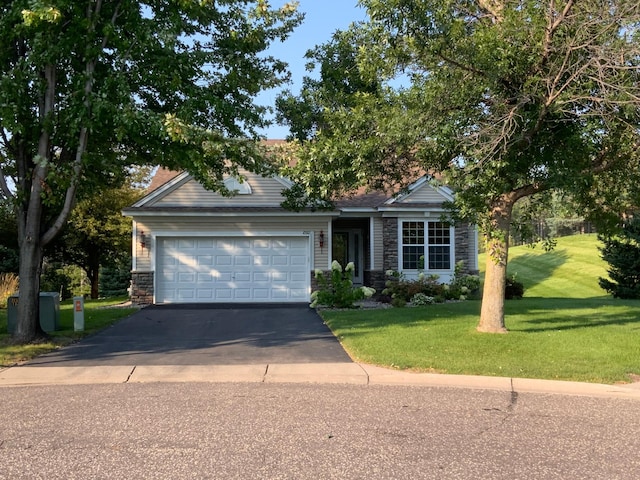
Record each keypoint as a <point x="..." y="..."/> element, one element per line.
<point x="464" y="245"/>
<point x="390" y="244"/>
<point x="142" y="288"/>
<point x="375" y="279"/>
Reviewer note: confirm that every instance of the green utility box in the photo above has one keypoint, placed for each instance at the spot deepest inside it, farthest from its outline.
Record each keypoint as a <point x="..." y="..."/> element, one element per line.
<point x="49" y="311"/>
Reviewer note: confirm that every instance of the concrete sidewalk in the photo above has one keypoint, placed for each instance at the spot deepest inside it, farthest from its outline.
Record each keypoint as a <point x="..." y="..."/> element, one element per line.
<point x="336" y="373"/>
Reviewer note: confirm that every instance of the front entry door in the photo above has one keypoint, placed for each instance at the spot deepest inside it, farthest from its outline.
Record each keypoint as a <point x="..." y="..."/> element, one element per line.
<point x="347" y="247"/>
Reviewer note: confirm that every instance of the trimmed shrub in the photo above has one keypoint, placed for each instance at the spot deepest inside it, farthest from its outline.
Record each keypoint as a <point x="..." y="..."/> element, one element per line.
<point x="514" y="290"/>
<point x="400" y="290"/>
<point x="403" y="290"/>
<point x="420" y="300"/>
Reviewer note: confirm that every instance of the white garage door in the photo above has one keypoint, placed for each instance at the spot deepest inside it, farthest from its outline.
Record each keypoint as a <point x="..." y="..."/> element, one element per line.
<point x="232" y="269"/>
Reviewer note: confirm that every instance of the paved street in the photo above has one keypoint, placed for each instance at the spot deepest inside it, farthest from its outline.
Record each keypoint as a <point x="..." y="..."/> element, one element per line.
<point x="230" y="393"/>
<point x="315" y="431"/>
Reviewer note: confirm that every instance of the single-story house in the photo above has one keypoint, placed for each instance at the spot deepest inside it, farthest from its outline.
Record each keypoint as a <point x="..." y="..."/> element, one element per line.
<point x="192" y="245"/>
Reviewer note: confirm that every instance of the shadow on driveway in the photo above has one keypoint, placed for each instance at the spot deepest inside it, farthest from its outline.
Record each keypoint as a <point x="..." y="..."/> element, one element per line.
<point x="207" y="334"/>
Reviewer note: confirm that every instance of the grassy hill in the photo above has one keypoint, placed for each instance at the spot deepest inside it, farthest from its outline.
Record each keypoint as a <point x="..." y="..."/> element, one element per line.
<point x="571" y="270"/>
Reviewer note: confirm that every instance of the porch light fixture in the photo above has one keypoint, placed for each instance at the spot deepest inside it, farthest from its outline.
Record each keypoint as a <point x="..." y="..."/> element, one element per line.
<point x="321" y="240"/>
<point x="142" y="239"/>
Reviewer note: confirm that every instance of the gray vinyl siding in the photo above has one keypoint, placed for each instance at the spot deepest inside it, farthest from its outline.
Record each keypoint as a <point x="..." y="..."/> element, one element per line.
<point x="265" y="192"/>
<point x="425" y="194"/>
<point x="378" y="243"/>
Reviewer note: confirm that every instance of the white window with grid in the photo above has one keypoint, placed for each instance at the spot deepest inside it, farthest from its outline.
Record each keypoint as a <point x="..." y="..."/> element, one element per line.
<point x="426" y="245"/>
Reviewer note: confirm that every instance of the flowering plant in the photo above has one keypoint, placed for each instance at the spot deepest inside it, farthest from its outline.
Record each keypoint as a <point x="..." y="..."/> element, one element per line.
<point x="338" y="289"/>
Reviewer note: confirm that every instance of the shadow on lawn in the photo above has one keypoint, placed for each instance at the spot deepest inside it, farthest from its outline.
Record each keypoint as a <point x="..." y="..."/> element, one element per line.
<point x="535" y="268"/>
<point x="556" y="314"/>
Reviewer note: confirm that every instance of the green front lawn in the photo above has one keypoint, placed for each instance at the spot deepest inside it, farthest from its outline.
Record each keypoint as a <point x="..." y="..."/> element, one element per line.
<point x="565" y="328"/>
<point x="97" y="316"/>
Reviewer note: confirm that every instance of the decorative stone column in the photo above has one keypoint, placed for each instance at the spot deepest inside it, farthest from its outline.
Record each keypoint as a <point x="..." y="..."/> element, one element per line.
<point x="390" y="244"/>
<point x="142" y="288"/>
<point x="375" y="279"/>
<point x="466" y="246"/>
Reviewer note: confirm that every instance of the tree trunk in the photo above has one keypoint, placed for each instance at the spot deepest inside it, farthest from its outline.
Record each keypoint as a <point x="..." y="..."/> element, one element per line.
<point x="497" y="243"/>
<point x="94" y="278"/>
<point x="28" y="322"/>
<point x="30" y="220"/>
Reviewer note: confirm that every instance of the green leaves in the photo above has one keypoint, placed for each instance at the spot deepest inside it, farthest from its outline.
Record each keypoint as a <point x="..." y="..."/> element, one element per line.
<point x="40" y="13"/>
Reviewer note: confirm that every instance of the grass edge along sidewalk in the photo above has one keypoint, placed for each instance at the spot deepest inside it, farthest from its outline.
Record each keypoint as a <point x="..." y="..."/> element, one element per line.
<point x="568" y="330"/>
<point x="99" y="314"/>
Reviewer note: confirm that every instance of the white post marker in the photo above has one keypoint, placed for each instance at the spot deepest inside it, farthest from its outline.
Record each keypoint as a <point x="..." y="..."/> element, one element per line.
<point x="78" y="314"/>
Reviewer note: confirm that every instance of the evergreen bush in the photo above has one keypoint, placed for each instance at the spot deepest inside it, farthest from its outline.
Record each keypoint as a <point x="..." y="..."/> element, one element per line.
<point x="115" y="280"/>
<point x="622" y="253"/>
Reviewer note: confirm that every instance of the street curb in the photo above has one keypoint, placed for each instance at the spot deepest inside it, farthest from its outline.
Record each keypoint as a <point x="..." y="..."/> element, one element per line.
<point x="308" y="373"/>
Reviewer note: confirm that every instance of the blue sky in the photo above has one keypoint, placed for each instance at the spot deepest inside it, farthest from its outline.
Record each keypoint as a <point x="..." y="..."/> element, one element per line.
<point x="322" y="18"/>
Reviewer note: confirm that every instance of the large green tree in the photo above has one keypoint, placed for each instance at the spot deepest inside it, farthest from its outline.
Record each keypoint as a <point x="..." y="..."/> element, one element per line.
<point x="90" y="86"/>
<point x="505" y="98"/>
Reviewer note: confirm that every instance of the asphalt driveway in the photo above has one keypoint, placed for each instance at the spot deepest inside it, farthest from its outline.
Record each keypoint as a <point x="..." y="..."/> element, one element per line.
<point x="207" y="335"/>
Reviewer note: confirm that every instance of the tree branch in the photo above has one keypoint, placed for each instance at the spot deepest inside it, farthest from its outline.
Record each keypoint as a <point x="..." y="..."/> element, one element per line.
<point x="494" y="8"/>
<point x="4" y="188"/>
<point x="461" y="66"/>
<point x="83" y="136"/>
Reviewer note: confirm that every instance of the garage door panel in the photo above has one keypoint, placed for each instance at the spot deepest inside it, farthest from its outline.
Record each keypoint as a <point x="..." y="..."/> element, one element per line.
<point x="186" y="277"/>
<point x="261" y="260"/>
<point x="261" y="277"/>
<point x="204" y="278"/>
<point x="262" y="244"/>
<point x="242" y="260"/>
<point x="186" y="244"/>
<point x="207" y="243"/>
<point x="167" y="277"/>
<point x="242" y="293"/>
<point x="258" y="269"/>
<point x="279" y="277"/>
<point x="222" y="293"/>
<point x="243" y="277"/>
<point x="224" y="277"/>
<point x="222" y="260"/>
<point x="204" y="260"/>
<point x="169" y="260"/>
<point x="298" y="277"/>
<point x="280" y="260"/>
<point x="185" y="294"/>
<point x="224" y="245"/>
<point x="298" y="260"/>
<point x="205" y="294"/>
<point x="299" y="294"/>
<point x="261" y="294"/>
